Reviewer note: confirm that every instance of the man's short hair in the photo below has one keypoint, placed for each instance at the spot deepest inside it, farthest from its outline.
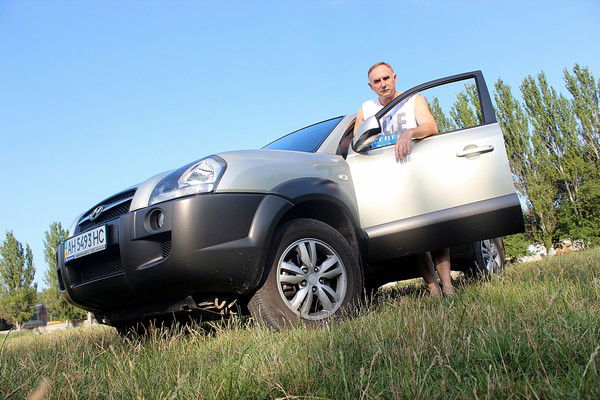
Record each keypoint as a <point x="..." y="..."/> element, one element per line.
<point x="377" y="65"/>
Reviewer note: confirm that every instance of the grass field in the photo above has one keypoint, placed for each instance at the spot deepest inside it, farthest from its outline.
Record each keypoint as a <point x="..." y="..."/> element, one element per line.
<point x="533" y="332"/>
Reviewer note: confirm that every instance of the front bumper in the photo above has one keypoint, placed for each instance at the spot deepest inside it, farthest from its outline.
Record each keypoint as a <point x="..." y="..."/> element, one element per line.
<point x="210" y="244"/>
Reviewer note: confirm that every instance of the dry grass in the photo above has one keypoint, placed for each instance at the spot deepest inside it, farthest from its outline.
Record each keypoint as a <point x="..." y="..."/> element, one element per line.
<point x="530" y="333"/>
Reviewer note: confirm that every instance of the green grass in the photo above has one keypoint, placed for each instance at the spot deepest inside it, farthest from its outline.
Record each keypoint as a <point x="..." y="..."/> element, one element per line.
<point x="533" y="332"/>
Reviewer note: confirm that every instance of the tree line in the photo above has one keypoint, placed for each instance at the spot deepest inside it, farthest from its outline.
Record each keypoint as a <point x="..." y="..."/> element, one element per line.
<point x="552" y="142"/>
<point x="18" y="292"/>
<point x="553" y="148"/>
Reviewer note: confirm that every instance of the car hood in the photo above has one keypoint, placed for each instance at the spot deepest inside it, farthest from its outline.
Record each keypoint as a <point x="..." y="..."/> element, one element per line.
<point x="259" y="171"/>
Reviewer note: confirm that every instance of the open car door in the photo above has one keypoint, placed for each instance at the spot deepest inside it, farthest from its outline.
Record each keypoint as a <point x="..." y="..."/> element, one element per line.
<point x="454" y="187"/>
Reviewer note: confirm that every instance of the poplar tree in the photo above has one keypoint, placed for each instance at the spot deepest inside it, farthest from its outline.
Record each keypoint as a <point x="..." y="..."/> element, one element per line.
<point x="466" y="110"/>
<point x="58" y="307"/>
<point x="542" y="194"/>
<point x="555" y="137"/>
<point x="552" y="145"/>
<point x="515" y="127"/>
<point x="444" y="123"/>
<point x="16" y="280"/>
<point x="585" y="90"/>
<point x="586" y="94"/>
<point x="531" y="183"/>
<point x="473" y="95"/>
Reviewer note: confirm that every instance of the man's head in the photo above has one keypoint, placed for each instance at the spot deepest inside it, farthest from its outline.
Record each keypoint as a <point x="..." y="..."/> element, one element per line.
<point x="382" y="80"/>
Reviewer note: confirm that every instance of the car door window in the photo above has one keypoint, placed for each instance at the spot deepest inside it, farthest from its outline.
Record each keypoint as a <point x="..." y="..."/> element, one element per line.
<point x="454" y="106"/>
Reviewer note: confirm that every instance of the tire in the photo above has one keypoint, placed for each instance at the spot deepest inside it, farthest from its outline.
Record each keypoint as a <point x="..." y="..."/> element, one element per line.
<point x="132" y="330"/>
<point x="139" y="329"/>
<point x="488" y="259"/>
<point x="314" y="275"/>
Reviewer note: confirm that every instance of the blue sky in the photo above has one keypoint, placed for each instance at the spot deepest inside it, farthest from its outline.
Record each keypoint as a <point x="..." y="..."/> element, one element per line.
<point x="98" y="95"/>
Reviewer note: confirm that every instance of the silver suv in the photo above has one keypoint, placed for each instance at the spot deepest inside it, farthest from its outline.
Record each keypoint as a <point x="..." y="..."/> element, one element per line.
<point x="298" y="230"/>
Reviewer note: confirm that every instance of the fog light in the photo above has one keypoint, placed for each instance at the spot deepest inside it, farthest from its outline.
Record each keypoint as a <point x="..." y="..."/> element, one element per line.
<point x="157" y="219"/>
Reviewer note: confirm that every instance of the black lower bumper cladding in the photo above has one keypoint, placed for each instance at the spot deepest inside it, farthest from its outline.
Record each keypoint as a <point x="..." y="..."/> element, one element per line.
<point x="211" y="244"/>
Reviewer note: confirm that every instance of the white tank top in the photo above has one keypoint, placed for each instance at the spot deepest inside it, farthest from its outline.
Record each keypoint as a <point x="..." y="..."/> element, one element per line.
<point x="399" y="119"/>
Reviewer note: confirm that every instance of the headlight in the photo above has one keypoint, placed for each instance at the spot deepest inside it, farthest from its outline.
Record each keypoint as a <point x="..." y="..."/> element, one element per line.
<point x="198" y="177"/>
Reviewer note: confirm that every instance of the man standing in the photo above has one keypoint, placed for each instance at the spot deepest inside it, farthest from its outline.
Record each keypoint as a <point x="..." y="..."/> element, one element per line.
<point x="410" y="119"/>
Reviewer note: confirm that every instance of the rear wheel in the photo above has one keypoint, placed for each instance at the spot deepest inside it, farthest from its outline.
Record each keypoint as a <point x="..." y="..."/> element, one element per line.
<point x="489" y="258"/>
<point x="314" y="275"/>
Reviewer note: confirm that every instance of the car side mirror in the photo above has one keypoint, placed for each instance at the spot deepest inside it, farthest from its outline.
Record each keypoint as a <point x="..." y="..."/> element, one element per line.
<point x="365" y="135"/>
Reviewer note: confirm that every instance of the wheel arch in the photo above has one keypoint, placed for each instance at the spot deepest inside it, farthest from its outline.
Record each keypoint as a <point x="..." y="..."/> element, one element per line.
<point x="324" y="201"/>
<point x="326" y="211"/>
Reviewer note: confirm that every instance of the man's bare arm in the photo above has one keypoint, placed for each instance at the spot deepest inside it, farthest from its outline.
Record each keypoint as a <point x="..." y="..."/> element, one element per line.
<point x="426" y="126"/>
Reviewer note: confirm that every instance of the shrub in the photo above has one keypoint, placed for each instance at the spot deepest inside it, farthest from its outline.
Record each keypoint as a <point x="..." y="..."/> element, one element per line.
<point x="516" y="245"/>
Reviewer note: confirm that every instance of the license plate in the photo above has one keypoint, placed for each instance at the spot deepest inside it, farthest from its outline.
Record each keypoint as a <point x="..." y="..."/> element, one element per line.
<point x="86" y="243"/>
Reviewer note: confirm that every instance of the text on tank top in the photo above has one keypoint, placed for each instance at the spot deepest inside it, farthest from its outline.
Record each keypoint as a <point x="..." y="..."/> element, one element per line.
<point x="398" y="120"/>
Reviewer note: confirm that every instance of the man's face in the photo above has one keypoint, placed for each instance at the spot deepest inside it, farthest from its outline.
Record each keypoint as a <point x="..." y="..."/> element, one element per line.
<point x="383" y="81"/>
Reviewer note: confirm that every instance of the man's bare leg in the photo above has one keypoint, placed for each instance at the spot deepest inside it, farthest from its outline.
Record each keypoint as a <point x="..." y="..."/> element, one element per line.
<point x="428" y="273"/>
<point x="441" y="259"/>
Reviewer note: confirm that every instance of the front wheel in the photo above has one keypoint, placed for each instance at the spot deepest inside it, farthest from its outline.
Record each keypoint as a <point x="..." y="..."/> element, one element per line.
<point x="314" y="275"/>
<point x="132" y="329"/>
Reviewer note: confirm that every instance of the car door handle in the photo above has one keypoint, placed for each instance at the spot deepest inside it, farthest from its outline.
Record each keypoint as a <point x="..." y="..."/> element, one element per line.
<point x="472" y="150"/>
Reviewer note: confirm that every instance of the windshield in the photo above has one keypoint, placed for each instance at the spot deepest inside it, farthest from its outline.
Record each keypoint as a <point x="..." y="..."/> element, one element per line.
<point x="306" y="139"/>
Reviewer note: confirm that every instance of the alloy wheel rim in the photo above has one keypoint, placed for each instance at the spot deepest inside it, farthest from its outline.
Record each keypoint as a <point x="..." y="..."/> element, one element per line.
<point x="311" y="279"/>
<point x="491" y="255"/>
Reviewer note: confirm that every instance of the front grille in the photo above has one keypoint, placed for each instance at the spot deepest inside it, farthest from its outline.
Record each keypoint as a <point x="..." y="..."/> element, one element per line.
<point x="96" y="266"/>
<point x="111" y="211"/>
